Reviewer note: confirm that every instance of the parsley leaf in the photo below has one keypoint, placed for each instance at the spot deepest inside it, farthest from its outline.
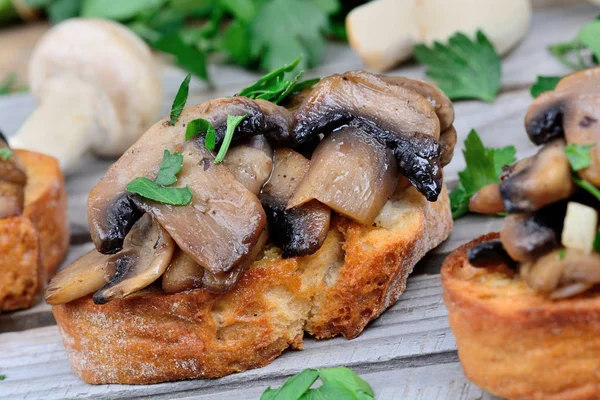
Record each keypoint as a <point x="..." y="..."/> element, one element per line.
<point x="9" y="84"/>
<point x="232" y="122"/>
<point x="156" y="190"/>
<point x="283" y="29"/>
<point x="2" y="377"/>
<point x="572" y="53"/>
<point x="597" y="242"/>
<point x="188" y="56"/>
<point x="150" y="190"/>
<point x="544" y="84"/>
<point x="170" y="167"/>
<point x="484" y="166"/>
<point x="338" y="383"/>
<point x="5" y="153"/>
<point x="463" y="69"/>
<point x="201" y="125"/>
<point x="180" y="99"/>
<point x="593" y="190"/>
<point x="579" y="155"/>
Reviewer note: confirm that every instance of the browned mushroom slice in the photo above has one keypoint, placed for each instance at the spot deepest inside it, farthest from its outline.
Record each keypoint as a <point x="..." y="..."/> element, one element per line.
<point x="300" y="230"/>
<point x="110" y="209"/>
<point x="84" y="276"/>
<point x="488" y="254"/>
<point x="146" y="254"/>
<point x="13" y="178"/>
<point x="225" y="281"/>
<point x="572" y="111"/>
<point x="352" y="173"/>
<point x="487" y="200"/>
<point x="448" y="140"/>
<point x="396" y="116"/>
<point x="251" y="163"/>
<point x="527" y="237"/>
<point x="438" y="99"/>
<point x="546" y="181"/>
<point x="221" y="225"/>
<point x="563" y="273"/>
<point x="182" y="274"/>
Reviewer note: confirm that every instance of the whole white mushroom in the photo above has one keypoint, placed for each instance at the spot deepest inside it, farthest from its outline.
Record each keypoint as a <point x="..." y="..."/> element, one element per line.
<point x="384" y="32"/>
<point x="98" y="90"/>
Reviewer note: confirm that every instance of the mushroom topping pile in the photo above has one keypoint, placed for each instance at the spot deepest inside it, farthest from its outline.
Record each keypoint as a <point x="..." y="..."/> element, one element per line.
<point x="551" y="234"/>
<point x="256" y="174"/>
<point x="12" y="181"/>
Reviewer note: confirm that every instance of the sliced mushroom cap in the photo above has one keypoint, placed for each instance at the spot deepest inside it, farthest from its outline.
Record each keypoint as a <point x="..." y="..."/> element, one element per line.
<point x="563" y="273"/>
<point x="438" y="99"/>
<point x="352" y="173"/>
<point x="571" y="110"/>
<point x="84" y="276"/>
<point x="251" y="163"/>
<point x="223" y="222"/>
<point x="300" y="230"/>
<point x="489" y="254"/>
<point x="527" y="237"/>
<point x="487" y="200"/>
<point x="225" y="281"/>
<point x="183" y="273"/>
<point x="110" y="209"/>
<point x="13" y="178"/>
<point x="448" y="140"/>
<point x="397" y="117"/>
<point x="146" y="254"/>
<point x="546" y="181"/>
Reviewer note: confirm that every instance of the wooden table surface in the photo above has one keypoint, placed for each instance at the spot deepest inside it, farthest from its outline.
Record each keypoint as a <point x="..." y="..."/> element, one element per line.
<point x="407" y="353"/>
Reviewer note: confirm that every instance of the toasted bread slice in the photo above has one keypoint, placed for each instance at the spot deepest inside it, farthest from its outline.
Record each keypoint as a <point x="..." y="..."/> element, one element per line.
<point x="33" y="245"/>
<point x="519" y="344"/>
<point x="358" y="272"/>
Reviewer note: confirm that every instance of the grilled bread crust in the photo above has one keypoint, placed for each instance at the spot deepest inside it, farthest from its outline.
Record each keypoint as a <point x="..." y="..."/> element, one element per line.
<point x="33" y="245"/>
<point x="359" y="271"/>
<point x="516" y="343"/>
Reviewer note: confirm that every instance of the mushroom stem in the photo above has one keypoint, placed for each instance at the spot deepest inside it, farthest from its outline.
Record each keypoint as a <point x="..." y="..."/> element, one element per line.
<point x="65" y="118"/>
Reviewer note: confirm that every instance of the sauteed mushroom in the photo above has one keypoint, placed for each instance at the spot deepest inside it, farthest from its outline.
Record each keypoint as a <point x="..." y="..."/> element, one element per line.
<point x="545" y="181"/>
<point x="398" y="117"/>
<point x="527" y="237"/>
<point x="489" y="253"/>
<point x="352" y="173"/>
<point x="487" y="200"/>
<point x="448" y="140"/>
<point x="300" y="230"/>
<point x="182" y="274"/>
<point x="221" y="225"/>
<point x="570" y="110"/>
<point x="146" y="254"/>
<point x="563" y="273"/>
<point x="111" y="211"/>
<point x="84" y="276"/>
<point x="251" y="163"/>
<point x="12" y="183"/>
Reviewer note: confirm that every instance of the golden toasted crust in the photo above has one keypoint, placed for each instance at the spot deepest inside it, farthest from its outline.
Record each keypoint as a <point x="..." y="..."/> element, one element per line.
<point x="46" y="207"/>
<point x="33" y="245"/>
<point x="358" y="273"/>
<point x="516" y="343"/>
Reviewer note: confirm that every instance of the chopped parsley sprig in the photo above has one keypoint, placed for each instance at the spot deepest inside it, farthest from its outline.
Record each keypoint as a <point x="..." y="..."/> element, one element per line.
<point x="5" y="153"/>
<point x="544" y="84"/>
<point x="180" y="100"/>
<point x="157" y="189"/>
<point x="463" y="68"/>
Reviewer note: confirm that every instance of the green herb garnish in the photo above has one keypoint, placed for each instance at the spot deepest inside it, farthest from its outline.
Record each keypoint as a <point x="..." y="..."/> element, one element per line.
<point x="2" y="377"/>
<point x="484" y="166"/>
<point x="5" y="153"/>
<point x="232" y="122"/>
<point x="597" y="242"/>
<point x="200" y="125"/>
<point x="579" y="155"/>
<point x="573" y="53"/>
<point x="463" y="69"/>
<point x="156" y="190"/>
<point x="187" y="56"/>
<point x="338" y="383"/>
<point x="562" y="254"/>
<point x="180" y="99"/>
<point x="544" y="84"/>
<point x="274" y="87"/>
<point x="593" y="190"/>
